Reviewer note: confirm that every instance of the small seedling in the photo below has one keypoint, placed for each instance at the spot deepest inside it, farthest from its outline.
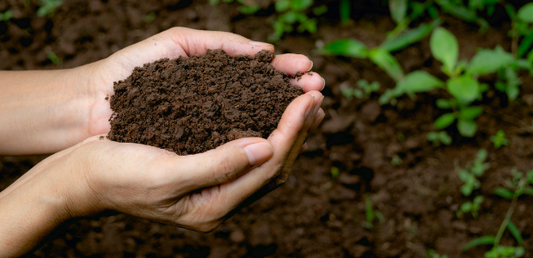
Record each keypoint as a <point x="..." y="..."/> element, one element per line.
<point x="55" y="59"/>
<point x="292" y="13"/>
<point x="472" y="171"/>
<point x="149" y="17"/>
<point x="499" y="139"/>
<point x="518" y="185"/>
<point x="433" y="254"/>
<point x="438" y="138"/>
<point x="472" y="207"/>
<point x="48" y="7"/>
<point x="6" y="16"/>
<point x="364" y="90"/>
<point x="334" y="173"/>
<point x="396" y="160"/>
<point x="371" y="215"/>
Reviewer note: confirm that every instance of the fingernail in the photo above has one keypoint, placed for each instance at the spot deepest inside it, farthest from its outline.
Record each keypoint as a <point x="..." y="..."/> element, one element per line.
<point x="257" y="43"/>
<point x="311" y="65"/>
<point x="303" y="147"/>
<point x="310" y="108"/>
<point x="323" y="85"/>
<point x="317" y="105"/>
<point x="258" y="153"/>
<point x="318" y="118"/>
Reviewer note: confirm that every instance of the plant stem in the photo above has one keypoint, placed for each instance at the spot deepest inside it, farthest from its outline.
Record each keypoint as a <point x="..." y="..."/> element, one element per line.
<point x="506" y="220"/>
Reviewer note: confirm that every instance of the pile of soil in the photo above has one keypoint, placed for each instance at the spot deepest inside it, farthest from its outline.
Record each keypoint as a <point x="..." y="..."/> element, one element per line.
<point x="191" y="105"/>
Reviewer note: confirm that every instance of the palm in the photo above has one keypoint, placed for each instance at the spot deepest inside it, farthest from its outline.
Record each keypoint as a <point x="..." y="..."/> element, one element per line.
<point x="172" y="44"/>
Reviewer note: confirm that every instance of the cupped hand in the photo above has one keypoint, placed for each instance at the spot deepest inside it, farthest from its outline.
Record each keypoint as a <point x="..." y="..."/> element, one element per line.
<point x="174" y="43"/>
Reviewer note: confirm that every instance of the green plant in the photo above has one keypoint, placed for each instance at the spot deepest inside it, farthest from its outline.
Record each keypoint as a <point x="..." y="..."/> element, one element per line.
<point x="521" y="30"/>
<point x="54" y="58"/>
<point x="6" y="16"/>
<point x="499" y="139"/>
<point x="48" y="7"/>
<point x="433" y="254"/>
<point x="363" y="90"/>
<point x="518" y="185"/>
<point x="472" y="171"/>
<point x="294" y="12"/>
<point x="371" y="215"/>
<point x="472" y="207"/>
<point x="396" y="160"/>
<point x="334" y="173"/>
<point x="436" y="138"/>
<point x="410" y="84"/>
<point x="149" y="17"/>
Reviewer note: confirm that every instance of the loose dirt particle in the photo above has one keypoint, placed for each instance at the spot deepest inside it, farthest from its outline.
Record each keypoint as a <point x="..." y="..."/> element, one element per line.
<point x="191" y="105"/>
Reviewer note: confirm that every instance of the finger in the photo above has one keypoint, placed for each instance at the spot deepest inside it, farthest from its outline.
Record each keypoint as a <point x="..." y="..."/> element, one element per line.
<point x="226" y="163"/>
<point x="292" y="63"/>
<point x="310" y="82"/>
<point x="196" y="42"/>
<point x="178" y="41"/>
<point x="301" y="138"/>
<point x="318" y="118"/>
<point x="282" y="140"/>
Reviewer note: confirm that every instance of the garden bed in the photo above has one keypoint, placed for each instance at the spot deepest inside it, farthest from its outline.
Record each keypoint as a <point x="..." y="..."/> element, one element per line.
<point x="363" y="153"/>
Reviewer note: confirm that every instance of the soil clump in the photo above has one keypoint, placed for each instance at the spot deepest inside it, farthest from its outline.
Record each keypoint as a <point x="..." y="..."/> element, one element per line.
<point x="191" y="105"/>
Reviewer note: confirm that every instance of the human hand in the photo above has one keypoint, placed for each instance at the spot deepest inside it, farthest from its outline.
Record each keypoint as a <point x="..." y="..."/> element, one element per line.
<point x="196" y="191"/>
<point x="171" y="44"/>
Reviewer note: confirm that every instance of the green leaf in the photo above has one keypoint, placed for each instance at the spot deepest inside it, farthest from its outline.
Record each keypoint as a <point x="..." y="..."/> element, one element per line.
<point x="318" y="11"/>
<point x="470" y="113"/>
<point x="465" y="89"/>
<point x="489" y="61"/>
<point x="481" y="155"/>
<point x="346" y="47"/>
<point x="444" y="121"/>
<point x="445" y="138"/>
<point x="398" y="10"/>
<point x="409" y="37"/>
<point x="504" y="192"/>
<point x="526" y="44"/>
<point x="345" y="10"/>
<point x="387" y="62"/>
<point x="300" y="5"/>
<point x="515" y="232"/>
<point x="466" y="207"/>
<point x="528" y="191"/>
<point x="467" y="128"/>
<point x="282" y="5"/>
<point x="419" y="81"/>
<point x="484" y="240"/>
<point x="444" y="47"/>
<point x="444" y="103"/>
<point x="526" y="13"/>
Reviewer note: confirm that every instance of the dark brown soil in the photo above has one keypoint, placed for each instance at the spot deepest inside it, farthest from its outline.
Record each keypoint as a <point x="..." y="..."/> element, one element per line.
<point x="191" y="105"/>
<point x="312" y="215"/>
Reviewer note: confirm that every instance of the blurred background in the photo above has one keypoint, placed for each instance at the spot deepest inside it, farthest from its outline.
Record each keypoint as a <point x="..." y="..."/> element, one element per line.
<point x="426" y="144"/>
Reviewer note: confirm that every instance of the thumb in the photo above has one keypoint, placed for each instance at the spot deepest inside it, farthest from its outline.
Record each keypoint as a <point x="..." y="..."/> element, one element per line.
<point x="225" y="163"/>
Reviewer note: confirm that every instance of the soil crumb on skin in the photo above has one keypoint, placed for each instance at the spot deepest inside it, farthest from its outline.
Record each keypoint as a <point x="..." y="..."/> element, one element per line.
<point x="191" y="105"/>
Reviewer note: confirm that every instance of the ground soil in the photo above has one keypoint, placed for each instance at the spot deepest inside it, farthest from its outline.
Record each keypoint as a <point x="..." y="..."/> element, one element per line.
<point x="191" y="105"/>
<point x="312" y="215"/>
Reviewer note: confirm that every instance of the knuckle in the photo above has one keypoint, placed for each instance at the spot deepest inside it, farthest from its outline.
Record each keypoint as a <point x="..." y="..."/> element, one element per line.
<point x="207" y="227"/>
<point x="225" y="171"/>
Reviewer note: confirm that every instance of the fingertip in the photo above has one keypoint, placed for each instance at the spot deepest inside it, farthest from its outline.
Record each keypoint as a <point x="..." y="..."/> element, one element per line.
<point x="263" y="45"/>
<point x="259" y="153"/>
<point x="292" y="63"/>
<point x="310" y="82"/>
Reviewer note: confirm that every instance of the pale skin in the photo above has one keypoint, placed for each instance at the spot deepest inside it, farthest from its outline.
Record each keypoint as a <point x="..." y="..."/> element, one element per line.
<point x="66" y="111"/>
